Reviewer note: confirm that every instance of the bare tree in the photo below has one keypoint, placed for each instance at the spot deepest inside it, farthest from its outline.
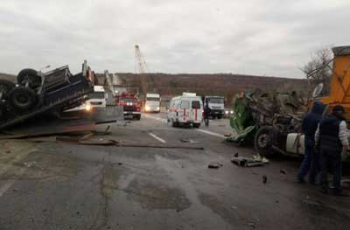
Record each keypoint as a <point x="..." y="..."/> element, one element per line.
<point x="319" y="69"/>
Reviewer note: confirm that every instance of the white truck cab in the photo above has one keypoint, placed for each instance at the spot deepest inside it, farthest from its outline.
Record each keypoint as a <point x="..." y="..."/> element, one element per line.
<point x="152" y="102"/>
<point x="185" y="110"/>
<point x="98" y="98"/>
<point x="217" y="106"/>
<point x="95" y="99"/>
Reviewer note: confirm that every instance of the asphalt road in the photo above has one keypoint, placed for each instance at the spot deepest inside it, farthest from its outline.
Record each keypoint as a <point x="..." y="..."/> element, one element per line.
<point x="52" y="185"/>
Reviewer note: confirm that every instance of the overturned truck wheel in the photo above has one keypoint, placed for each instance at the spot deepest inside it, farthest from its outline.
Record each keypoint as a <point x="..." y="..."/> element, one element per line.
<point x="263" y="141"/>
<point x="5" y="88"/>
<point x="22" y="98"/>
<point x="30" y="77"/>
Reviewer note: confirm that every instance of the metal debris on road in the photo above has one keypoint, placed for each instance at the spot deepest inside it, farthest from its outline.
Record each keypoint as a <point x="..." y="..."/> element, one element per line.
<point x="215" y="165"/>
<point x="264" y="179"/>
<point x="283" y="172"/>
<point x="250" y="161"/>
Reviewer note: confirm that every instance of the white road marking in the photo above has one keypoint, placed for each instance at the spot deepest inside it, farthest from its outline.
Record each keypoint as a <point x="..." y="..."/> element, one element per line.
<point x="6" y="187"/>
<point x="157" y="138"/>
<point x="211" y="133"/>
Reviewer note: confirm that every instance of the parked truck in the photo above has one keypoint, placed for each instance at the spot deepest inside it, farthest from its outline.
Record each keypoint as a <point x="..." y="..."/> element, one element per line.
<point x="36" y="93"/>
<point x="152" y="103"/>
<point x="216" y="105"/>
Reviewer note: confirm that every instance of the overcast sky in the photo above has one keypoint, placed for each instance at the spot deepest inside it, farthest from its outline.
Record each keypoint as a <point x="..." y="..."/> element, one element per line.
<point x="261" y="37"/>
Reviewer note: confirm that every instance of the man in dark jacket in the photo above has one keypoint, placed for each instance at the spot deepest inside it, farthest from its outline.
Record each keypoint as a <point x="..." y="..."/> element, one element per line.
<point x="207" y="111"/>
<point x="332" y="137"/>
<point x="311" y="158"/>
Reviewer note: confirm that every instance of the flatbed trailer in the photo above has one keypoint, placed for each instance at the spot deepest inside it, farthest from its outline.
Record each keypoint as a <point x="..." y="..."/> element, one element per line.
<point x="58" y="90"/>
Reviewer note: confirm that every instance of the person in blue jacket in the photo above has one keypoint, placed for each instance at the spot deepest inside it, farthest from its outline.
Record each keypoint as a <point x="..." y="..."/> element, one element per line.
<point x="311" y="160"/>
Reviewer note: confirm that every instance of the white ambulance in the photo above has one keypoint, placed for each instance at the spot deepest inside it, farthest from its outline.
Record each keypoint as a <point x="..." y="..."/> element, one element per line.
<point x="185" y="110"/>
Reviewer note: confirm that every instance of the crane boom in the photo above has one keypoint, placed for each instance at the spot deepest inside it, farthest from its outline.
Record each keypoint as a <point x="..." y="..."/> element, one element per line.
<point x="141" y="67"/>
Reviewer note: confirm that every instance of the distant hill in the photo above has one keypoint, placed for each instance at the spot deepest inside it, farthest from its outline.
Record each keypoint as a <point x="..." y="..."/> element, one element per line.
<point x="227" y="85"/>
<point x="9" y="77"/>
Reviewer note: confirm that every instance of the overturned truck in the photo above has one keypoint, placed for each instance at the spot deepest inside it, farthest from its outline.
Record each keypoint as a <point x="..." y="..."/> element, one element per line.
<point x="267" y="119"/>
<point x="273" y="121"/>
<point x="37" y="93"/>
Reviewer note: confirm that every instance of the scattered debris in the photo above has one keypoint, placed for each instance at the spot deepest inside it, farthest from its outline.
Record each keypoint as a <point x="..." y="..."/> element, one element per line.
<point x="228" y="135"/>
<point x="215" y="165"/>
<point x="283" y="172"/>
<point x="250" y="162"/>
<point x="311" y="202"/>
<point x="236" y="155"/>
<point x="188" y="141"/>
<point x="264" y="179"/>
<point x="234" y="207"/>
<point x="251" y="225"/>
<point x="98" y="142"/>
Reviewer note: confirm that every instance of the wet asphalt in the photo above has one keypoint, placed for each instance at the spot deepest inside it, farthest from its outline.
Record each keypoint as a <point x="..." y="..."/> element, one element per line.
<point x="53" y="185"/>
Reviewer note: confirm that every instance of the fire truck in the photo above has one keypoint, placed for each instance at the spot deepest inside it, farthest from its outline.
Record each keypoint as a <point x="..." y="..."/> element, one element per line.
<point x="131" y="105"/>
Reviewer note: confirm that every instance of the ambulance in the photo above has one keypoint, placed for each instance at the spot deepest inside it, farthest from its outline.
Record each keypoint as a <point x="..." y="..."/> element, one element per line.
<point x="185" y="110"/>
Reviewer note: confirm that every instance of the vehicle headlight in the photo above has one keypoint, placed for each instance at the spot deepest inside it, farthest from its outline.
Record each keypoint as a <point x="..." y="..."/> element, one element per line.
<point x="147" y="108"/>
<point x="158" y="108"/>
<point x="87" y="107"/>
<point x="231" y="112"/>
<point x="226" y="112"/>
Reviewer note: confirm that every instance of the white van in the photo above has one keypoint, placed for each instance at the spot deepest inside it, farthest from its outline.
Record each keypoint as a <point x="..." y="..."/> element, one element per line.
<point x="185" y="110"/>
<point x="152" y="103"/>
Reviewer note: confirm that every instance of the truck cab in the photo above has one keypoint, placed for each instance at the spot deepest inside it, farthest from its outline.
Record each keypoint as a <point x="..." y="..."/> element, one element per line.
<point x="98" y="98"/>
<point x="217" y="106"/>
<point x="152" y="103"/>
<point x="94" y="100"/>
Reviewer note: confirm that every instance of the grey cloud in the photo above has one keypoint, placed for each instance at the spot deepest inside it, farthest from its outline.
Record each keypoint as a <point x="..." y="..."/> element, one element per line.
<point x="252" y="37"/>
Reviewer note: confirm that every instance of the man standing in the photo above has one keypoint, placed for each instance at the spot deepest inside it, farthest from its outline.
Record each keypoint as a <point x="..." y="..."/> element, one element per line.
<point x="206" y="112"/>
<point x="311" y="159"/>
<point x="332" y="137"/>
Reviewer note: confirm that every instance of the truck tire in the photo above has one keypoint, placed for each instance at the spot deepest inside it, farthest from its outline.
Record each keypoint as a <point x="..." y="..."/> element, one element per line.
<point x="5" y="88"/>
<point x="263" y="141"/>
<point x="3" y="110"/>
<point x="138" y="117"/>
<point x="22" y="98"/>
<point x="196" y="125"/>
<point x="219" y="116"/>
<point x="29" y="76"/>
<point x="172" y="123"/>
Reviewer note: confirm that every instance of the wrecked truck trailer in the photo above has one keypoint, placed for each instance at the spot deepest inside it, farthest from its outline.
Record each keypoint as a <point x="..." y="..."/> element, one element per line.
<point x="38" y="93"/>
<point x="266" y="119"/>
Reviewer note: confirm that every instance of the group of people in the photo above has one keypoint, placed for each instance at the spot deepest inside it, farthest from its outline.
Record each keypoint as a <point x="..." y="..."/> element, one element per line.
<point x="326" y="137"/>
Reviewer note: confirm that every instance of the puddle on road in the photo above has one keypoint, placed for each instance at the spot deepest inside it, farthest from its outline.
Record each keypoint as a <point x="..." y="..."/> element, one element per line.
<point x="154" y="196"/>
